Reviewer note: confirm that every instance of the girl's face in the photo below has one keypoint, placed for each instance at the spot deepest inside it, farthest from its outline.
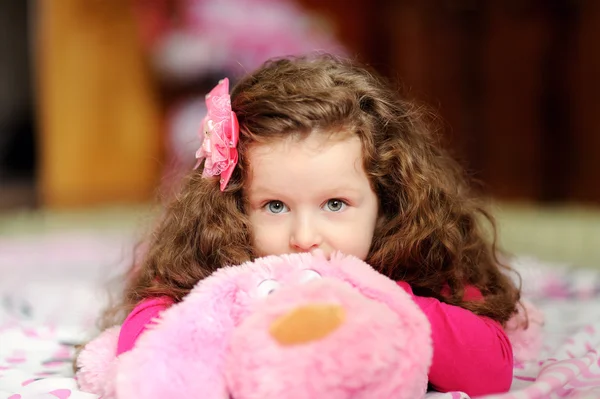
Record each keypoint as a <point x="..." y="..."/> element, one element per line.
<point x="310" y="194"/>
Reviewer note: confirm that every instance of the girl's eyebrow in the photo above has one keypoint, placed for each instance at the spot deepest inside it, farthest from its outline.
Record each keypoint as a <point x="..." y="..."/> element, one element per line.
<point x="351" y="189"/>
<point x="263" y="192"/>
<point x="330" y="191"/>
<point x="343" y="188"/>
<point x="259" y="190"/>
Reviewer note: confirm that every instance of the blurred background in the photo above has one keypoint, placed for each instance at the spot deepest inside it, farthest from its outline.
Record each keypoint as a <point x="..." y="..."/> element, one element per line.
<point x="100" y="100"/>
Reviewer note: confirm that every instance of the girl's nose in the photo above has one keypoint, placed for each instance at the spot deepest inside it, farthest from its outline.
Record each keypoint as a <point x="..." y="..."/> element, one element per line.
<point x="305" y="236"/>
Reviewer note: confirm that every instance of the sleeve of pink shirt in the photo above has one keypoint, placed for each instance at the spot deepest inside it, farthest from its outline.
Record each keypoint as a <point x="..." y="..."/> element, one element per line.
<point x="471" y="353"/>
<point x="142" y="316"/>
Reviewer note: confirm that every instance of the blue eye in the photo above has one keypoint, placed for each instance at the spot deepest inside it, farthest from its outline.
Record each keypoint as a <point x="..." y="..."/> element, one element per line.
<point x="335" y="205"/>
<point x="276" y="207"/>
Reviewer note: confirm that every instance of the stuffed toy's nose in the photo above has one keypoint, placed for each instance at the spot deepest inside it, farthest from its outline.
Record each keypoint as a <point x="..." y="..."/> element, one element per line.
<point x="307" y="323"/>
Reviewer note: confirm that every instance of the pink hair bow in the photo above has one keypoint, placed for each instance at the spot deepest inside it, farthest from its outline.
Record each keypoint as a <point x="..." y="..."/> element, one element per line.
<point x="219" y="135"/>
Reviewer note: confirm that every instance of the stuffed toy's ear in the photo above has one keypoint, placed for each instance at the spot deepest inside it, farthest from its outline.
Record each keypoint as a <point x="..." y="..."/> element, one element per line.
<point x="97" y="364"/>
<point x="182" y="356"/>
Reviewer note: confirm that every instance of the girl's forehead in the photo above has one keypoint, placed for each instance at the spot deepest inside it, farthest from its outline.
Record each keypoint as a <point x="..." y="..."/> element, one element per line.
<point x="291" y="164"/>
<point x="315" y="141"/>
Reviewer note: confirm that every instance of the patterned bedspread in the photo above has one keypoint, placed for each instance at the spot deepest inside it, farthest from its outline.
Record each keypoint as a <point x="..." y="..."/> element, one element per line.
<point x="52" y="289"/>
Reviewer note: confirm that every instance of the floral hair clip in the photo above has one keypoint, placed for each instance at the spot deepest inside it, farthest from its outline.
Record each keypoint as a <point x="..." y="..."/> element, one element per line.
<point x="219" y="135"/>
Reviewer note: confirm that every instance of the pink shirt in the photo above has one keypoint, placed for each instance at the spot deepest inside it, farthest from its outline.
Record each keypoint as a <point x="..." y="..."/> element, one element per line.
<point x="471" y="353"/>
<point x="140" y="318"/>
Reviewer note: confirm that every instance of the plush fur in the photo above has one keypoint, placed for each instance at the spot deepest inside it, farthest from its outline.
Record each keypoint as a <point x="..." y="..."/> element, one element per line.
<point x="97" y="365"/>
<point x="218" y="343"/>
<point x="215" y="343"/>
<point x="375" y="353"/>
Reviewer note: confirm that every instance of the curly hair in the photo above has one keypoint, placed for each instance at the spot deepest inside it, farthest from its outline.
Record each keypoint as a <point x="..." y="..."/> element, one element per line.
<point x="430" y="231"/>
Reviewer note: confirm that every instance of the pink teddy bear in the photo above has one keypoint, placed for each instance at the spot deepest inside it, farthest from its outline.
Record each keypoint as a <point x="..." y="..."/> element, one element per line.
<point x="295" y="326"/>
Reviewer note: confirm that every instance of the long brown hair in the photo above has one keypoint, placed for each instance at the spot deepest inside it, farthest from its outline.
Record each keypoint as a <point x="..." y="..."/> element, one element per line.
<point x="430" y="231"/>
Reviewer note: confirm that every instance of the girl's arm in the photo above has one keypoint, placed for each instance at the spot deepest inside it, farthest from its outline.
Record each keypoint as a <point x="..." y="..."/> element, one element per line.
<point x="471" y="353"/>
<point x="142" y="316"/>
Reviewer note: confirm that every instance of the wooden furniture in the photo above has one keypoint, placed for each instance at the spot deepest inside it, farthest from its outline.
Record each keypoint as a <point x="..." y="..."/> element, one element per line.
<point x="517" y="83"/>
<point x="99" y="117"/>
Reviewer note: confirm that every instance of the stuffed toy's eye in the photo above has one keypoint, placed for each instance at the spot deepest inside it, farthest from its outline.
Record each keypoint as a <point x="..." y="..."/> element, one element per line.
<point x="309" y="275"/>
<point x="267" y="287"/>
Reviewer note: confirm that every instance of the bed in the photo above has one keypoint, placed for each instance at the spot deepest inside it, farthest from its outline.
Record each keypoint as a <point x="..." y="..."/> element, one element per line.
<point x="55" y="269"/>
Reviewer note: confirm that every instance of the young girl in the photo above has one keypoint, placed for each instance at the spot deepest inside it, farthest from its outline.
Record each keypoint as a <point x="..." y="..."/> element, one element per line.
<point x="319" y="153"/>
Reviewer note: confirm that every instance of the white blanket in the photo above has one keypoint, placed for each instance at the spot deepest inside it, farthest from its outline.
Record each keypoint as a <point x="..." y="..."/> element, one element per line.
<point x="52" y="289"/>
